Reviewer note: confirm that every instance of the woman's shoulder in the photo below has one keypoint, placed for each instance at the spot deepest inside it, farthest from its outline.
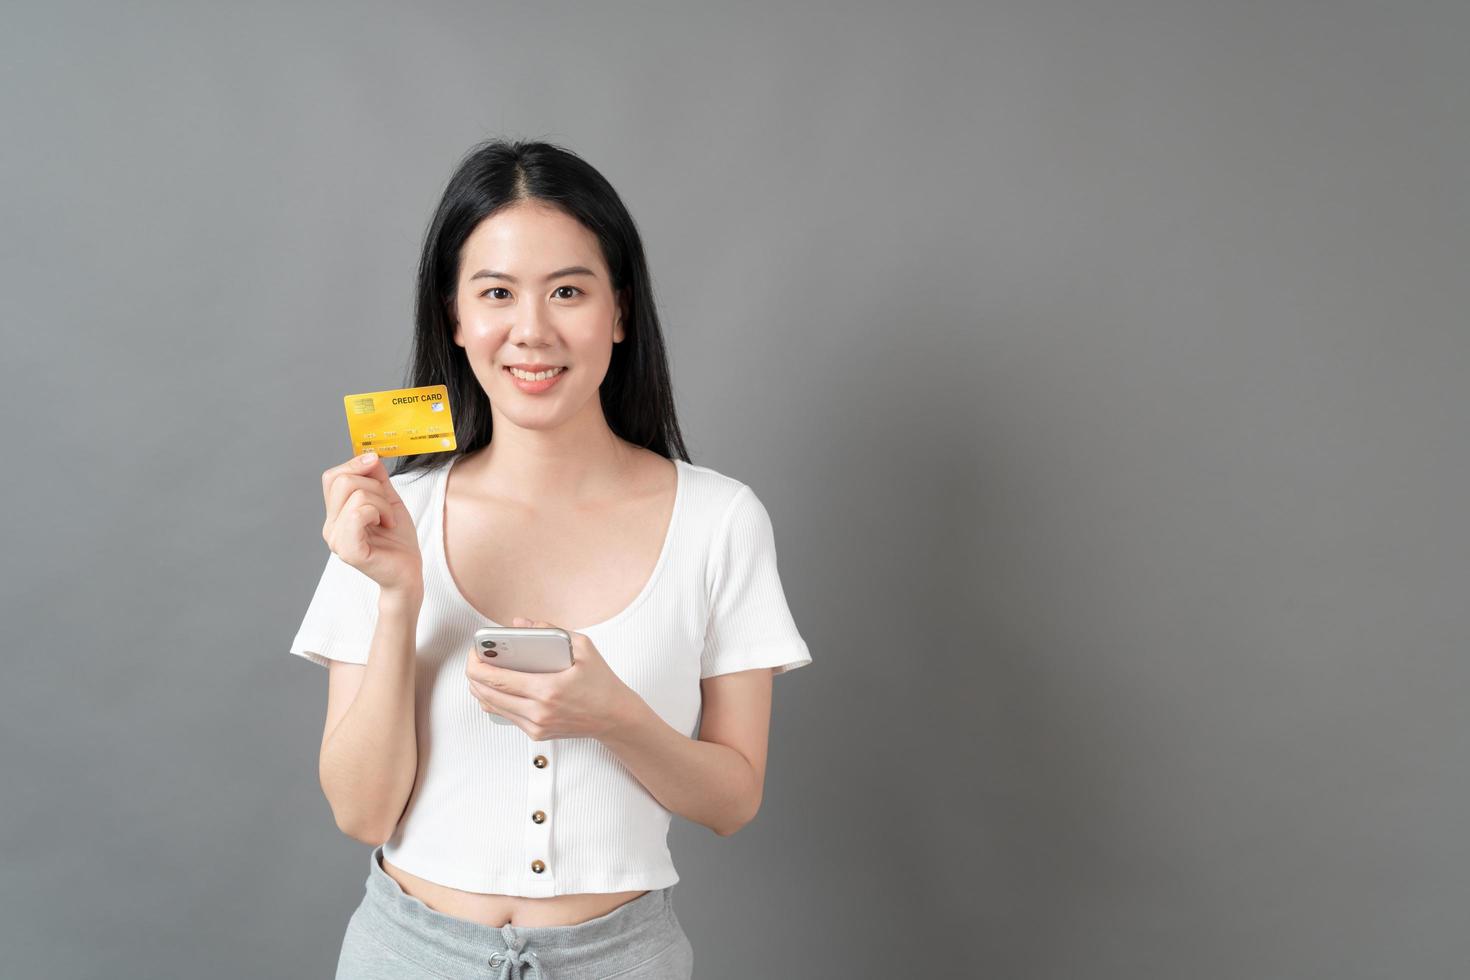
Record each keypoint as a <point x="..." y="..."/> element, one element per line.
<point x="710" y="478"/>
<point x="712" y="492"/>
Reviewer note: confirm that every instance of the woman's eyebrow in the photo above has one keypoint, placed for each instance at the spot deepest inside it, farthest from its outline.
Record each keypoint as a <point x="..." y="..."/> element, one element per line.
<point x="571" y="270"/>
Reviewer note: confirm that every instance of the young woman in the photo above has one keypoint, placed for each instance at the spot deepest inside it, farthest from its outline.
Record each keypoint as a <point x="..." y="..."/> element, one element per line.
<point x="538" y="848"/>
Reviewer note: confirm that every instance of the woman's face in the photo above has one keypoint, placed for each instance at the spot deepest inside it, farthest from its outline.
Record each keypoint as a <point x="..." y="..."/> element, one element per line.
<point x="521" y="300"/>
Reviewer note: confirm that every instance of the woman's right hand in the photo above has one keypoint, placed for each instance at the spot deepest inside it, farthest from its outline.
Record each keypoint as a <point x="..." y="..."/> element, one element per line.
<point x="369" y="527"/>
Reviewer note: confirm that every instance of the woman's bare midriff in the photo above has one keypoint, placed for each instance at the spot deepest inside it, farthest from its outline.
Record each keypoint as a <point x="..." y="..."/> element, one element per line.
<point x="497" y="910"/>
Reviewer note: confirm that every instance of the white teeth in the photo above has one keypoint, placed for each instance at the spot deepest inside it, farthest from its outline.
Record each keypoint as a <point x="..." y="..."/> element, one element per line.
<point x="527" y="376"/>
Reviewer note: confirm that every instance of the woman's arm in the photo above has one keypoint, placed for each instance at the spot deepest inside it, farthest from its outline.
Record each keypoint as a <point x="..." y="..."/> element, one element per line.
<point x="369" y="759"/>
<point x="717" y="779"/>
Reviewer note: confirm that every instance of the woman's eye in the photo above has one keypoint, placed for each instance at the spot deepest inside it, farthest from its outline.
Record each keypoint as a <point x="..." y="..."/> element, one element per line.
<point x="573" y="288"/>
<point x="494" y="289"/>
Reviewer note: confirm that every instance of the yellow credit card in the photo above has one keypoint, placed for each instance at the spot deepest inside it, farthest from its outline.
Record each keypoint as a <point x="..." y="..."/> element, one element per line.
<point x="401" y="422"/>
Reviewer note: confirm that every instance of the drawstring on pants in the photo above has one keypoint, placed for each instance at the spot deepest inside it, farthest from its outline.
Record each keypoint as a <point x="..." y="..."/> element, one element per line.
<point x="515" y="957"/>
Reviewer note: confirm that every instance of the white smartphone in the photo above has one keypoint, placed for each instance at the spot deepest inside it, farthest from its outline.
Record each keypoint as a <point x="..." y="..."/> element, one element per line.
<point x="534" y="649"/>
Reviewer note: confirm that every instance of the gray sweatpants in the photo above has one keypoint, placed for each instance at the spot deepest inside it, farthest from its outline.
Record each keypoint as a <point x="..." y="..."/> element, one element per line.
<point x="394" y="936"/>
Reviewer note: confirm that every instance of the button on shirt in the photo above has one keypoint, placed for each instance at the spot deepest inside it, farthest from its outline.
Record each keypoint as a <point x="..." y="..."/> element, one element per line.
<point x="493" y="811"/>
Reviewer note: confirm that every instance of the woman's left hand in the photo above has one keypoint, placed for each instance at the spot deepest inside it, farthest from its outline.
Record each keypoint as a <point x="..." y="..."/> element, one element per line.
<point x="586" y="699"/>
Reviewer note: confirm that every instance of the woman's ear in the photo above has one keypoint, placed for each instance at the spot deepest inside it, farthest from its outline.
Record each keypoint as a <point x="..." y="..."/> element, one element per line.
<point x="619" y="332"/>
<point x="453" y="323"/>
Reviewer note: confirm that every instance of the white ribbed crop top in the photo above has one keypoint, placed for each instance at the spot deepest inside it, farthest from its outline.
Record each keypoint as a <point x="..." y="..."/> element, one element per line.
<point x="713" y="605"/>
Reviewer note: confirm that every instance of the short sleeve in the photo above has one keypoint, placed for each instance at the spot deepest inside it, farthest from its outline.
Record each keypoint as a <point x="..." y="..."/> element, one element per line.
<point x="750" y="624"/>
<point x="341" y="618"/>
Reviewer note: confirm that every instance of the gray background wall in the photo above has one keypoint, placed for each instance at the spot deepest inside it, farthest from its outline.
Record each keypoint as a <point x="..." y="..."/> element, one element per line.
<point x="1101" y="364"/>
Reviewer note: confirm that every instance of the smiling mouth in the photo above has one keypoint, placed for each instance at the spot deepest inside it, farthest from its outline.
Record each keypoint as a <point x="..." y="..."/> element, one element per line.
<point x="535" y="376"/>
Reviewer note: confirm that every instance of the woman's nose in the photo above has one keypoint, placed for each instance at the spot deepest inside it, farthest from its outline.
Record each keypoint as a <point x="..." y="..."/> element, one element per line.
<point x="532" y="322"/>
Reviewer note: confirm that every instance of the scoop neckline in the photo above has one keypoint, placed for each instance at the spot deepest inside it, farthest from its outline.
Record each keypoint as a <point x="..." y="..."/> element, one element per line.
<point x="442" y="560"/>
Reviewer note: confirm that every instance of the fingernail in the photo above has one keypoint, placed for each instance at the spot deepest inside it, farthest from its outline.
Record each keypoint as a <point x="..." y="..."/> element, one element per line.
<point x="367" y="458"/>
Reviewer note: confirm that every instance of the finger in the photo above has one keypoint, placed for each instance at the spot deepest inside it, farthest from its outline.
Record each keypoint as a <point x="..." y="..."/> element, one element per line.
<point x="487" y="699"/>
<point x="543" y="624"/>
<point x="343" y="485"/>
<point x="337" y="486"/>
<point x="503" y="701"/>
<point x="498" y="678"/>
<point x="354" y="465"/>
<point x="343" y="490"/>
<point x="366" y="507"/>
<point x="349" y="535"/>
<point x="359" y="518"/>
<point x="372" y="471"/>
<point x="381" y="504"/>
<point x="378" y="472"/>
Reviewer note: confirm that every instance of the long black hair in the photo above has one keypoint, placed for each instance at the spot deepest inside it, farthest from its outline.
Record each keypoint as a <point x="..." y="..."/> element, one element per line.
<point x="637" y="394"/>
